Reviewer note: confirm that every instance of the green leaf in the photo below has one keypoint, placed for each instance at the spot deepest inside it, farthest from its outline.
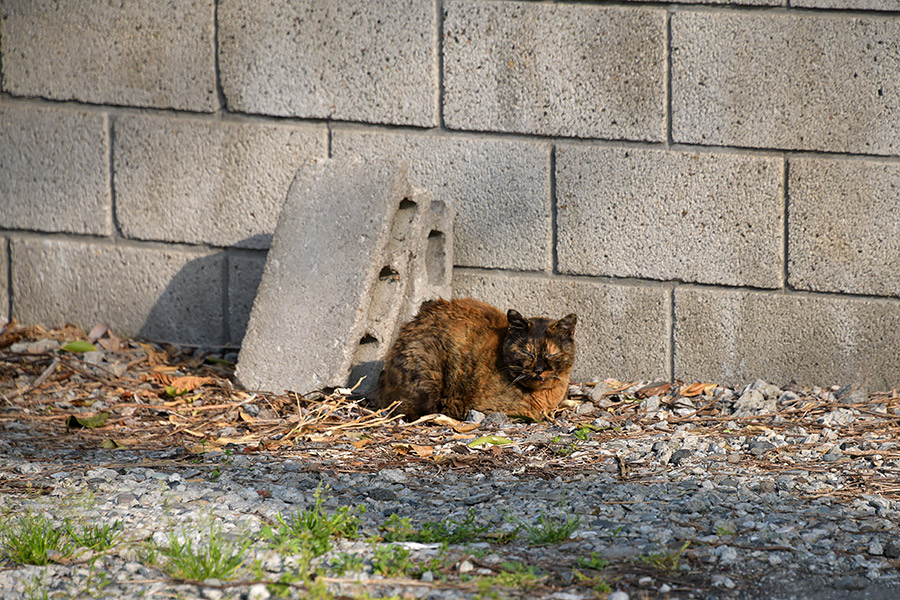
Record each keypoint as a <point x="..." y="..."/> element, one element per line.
<point x="489" y="439"/>
<point x="172" y="391"/>
<point x="79" y="347"/>
<point x="111" y="444"/>
<point x="98" y="420"/>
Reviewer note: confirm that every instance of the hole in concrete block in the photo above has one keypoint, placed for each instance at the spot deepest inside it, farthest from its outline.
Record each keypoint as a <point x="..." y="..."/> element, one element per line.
<point x="402" y="225"/>
<point x="435" y="254"/>
<point x="368" y="339"/>
<point x="389" y="274"/>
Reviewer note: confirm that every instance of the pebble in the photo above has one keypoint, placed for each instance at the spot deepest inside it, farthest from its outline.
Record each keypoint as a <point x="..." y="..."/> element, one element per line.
<point x="678" y="488"/>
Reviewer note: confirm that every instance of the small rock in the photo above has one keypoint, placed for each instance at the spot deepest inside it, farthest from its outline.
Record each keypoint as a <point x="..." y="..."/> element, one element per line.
<point x="394" y="475"/>
<point x="752" y="402"/>
<point x="586" y="409"/>
<point x="723" y="581"/>
<point x="126" y="499"/>
<point x="892" y="549"/>
<point x="601" y="423"/>
<point x="850" y="395"/>
<point x="875" y="548"/>
<point x="95" y="357"/>
<point x="645" y="581"/>
<point x="474" y="416"/>
<point x="665" y="588"/>
<point x="838" y="417"/>
<point x="465" y="567"/>
<point x="212" y="593"/>
<point x="496" y="419"/>
<point x="617" y="595"/>
<point x="427" y="577"/>
<point x="258" y="591"/>
<point x="679" y="456"/>
<point x="649" y="406"/>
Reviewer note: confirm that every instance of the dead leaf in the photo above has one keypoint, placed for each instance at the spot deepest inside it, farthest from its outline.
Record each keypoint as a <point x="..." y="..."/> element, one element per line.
<point x="245" y="417"/>
<point x="361" y="443"/>
<point x="97" y="332"/>
<point x="423" y="451"/>
<point x="654" y="389"/>
<point x="92" y="422"/>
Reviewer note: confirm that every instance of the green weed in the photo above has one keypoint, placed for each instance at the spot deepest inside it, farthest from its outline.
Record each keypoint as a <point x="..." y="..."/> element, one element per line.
<point x="313" y="528"/>
<point x="549" y="530"/>
<point x="594" y="562"/>
<point x="30" y="538"/>
<point x="665" y="560"/>
<point x="95" y="537"/>
<point x="218" y="558"/>
<point x="345" y="563"/>
<point x="390" y="560"/>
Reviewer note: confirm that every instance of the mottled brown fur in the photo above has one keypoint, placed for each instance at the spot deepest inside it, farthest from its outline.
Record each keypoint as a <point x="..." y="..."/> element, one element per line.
<point x="465" y="354"/>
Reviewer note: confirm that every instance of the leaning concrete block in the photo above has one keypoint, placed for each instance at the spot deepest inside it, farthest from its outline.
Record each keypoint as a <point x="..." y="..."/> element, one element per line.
<point x="553" y="69"/>
<point x="844" y="229"/>
<point x="157" y="54"/>
<point x="204" y="181"/>
<point x="432" y="268"/>
<point x="622" y="331"/>
<point x="782" y="80"/>
<point x="733" y="337"/>
<point x="500" y="190"/>
<point x="711" y="218"/>
<point x="54" y="170"/>
<point x="336" y="276"/>
<point x="4" y="278"/>
<point x="168" y="294"/>
<point x="345" y="60"/>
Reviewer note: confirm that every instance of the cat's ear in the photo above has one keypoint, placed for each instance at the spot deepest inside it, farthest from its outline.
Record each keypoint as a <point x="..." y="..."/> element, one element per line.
<point x="517" y="321"/>
<point x="566" y="325"/>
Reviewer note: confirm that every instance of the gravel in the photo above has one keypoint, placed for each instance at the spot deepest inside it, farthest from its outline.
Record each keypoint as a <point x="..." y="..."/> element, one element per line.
<point x="779" y="493"/>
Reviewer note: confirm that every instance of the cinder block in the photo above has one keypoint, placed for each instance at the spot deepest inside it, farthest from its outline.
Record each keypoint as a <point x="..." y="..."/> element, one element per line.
<point x="712" y="218"/>
<point x="844" y="226"/>
<point x="158" y="54"/>
<point x="622" y="330"/>
<point x="4" y="279"/>
<point x="431" y="271"/>
<point x="206" y="181"/>
<point x="583" y="71"/>
<point x="54" y="170"/>
<point x="792" y="81"/>
<point x="168" y="294"/>
<point x="245" y="269"/>
<point x="729" y="2"/>
<point x="733" y="337"/>
<point x="336" y="276"/>
<point x="500" y="190"/>
<point x="850" y="4"/>
<point x="352" y="61"/>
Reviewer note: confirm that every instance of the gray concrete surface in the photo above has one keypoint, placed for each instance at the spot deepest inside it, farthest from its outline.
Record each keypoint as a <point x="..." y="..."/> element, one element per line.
<point x="500" y="189"/>
<point x="792" y="81"/>
<point x="431" y="272"/>
<point x="166" y="293"/>
<point x="622" y="330"/>
<point x="335" y="277"/>
<point x="583" y="71"/>
<point x="891" y="5"/>
<point x="844" y="226"/>
<point x="343" y="60"/>
<point x="129" y="53"/>
<point x="712" y="218"/>
<point x="200" y="180"/>
<point x="4" y="278"/>
<point x="245" y="269"/>
<point x="54" y="170"/>
<point x="732" y="337"/>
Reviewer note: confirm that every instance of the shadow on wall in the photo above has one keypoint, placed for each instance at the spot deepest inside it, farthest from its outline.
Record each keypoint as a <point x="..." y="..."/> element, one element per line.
<point x="207" y="302"/>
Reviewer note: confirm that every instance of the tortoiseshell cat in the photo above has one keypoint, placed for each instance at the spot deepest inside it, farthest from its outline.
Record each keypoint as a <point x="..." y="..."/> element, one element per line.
<point x="465" y="354"/>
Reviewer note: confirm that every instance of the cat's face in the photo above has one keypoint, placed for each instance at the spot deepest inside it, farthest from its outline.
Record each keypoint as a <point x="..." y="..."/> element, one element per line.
<point x="537" y="351"/>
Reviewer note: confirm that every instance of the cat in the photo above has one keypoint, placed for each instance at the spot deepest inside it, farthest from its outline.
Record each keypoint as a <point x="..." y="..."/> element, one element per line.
<point x="463" y="354"/>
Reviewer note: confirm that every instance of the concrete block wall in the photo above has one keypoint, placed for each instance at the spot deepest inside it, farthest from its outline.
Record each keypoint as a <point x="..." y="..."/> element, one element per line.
<point x="712" y="185"/>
